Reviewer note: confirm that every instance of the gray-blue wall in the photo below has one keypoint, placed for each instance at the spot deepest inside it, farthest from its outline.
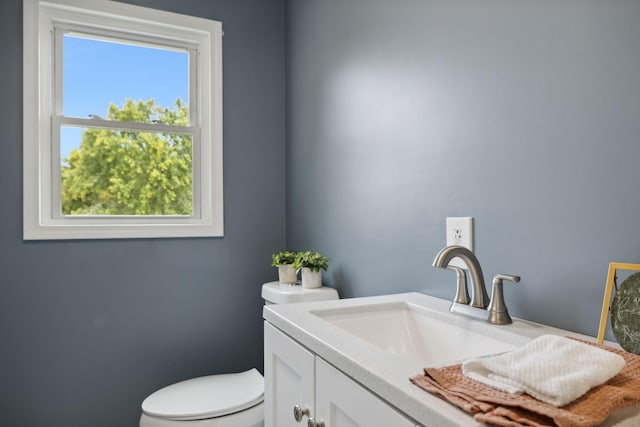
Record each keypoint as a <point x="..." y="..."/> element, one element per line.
<point x="523" y="114"/>
<point x="89" y="328"/>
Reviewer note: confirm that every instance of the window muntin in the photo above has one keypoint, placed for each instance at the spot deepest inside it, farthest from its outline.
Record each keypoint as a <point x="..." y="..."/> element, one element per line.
<point x="48" y="27"/>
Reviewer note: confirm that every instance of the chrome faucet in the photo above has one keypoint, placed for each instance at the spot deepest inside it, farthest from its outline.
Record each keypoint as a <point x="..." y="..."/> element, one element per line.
<point x="479" y="297"/>
<point x="497" y="310"/>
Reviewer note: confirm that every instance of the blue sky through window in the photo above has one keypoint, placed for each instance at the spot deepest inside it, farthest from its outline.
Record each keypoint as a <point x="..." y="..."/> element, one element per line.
<point x="97" y="73"/>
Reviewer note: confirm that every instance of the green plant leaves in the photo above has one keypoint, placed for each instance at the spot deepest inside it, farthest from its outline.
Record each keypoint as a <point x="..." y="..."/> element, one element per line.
<point x="314" y="261"/>
<point x="283" y="258"/>
<point x="306" y="259"/>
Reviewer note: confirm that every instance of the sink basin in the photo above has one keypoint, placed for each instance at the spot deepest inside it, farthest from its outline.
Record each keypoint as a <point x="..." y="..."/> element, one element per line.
<point x="420" y="335"/>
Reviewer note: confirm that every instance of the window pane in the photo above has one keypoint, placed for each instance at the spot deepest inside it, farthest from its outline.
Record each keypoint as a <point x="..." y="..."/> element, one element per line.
<point x="122" y="172"/>
<point x="99" y="73"/>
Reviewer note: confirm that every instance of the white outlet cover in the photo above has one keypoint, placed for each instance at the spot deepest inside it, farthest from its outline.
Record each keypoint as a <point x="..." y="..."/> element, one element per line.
<point x="459" y="232"/>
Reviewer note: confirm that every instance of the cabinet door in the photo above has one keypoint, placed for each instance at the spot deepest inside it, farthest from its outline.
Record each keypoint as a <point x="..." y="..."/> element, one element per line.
<point x="288" y="379"/>
<point x="341" y="402"/>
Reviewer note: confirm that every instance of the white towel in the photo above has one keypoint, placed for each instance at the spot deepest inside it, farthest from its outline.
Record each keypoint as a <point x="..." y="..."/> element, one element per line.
<point x="553" y="369"/>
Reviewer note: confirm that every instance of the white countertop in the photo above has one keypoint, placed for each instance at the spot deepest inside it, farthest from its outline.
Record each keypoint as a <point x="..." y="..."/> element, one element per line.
<point x="387" y="375"/>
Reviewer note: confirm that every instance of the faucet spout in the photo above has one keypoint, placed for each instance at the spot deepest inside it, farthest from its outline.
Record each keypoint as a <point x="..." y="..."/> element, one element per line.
<point x="479" y="296"/>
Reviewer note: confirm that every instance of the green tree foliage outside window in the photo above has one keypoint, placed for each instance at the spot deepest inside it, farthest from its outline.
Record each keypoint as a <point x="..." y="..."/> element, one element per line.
<point x="121" y="172"/>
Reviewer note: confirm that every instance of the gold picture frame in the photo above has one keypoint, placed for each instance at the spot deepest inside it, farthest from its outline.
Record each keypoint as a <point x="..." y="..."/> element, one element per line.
<point x="606" y="302"/>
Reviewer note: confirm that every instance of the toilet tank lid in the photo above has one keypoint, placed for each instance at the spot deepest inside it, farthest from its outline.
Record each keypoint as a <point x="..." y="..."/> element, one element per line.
<point x="280" y="293"/>
<point x="206" y="397"/>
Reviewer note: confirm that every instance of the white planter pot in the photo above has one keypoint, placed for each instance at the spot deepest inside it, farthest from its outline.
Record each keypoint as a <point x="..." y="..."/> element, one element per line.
<point x="311" y="279"/>
<point x="287" y="274"/>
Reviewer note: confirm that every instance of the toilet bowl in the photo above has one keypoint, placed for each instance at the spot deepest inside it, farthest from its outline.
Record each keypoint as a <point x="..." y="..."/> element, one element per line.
<point x="224" y="400"/>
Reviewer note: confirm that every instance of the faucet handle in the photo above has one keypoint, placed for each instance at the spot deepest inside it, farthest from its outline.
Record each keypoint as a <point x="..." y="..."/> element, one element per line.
<point x="498" y="313"/>
<point x="462" y="293"/>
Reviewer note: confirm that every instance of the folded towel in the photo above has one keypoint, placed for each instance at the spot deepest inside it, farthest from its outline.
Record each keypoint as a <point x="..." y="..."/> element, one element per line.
<point x="553" y="369"/>
<point x="499" y="408"/>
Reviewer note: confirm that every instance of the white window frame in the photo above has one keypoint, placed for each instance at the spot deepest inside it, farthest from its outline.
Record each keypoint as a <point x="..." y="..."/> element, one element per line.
<point x="42" y="116"/>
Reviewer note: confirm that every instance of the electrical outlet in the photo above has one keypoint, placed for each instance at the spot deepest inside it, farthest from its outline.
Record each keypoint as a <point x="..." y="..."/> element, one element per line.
<point x="460" y="233"/>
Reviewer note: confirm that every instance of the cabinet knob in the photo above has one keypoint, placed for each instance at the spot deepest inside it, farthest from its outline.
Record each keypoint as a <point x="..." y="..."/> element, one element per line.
<point x="299" y="412"/>
<point x="313" y="423"/>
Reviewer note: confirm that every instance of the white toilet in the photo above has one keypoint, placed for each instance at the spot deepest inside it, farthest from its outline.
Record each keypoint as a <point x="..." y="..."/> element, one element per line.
<point x="224" y="400"/>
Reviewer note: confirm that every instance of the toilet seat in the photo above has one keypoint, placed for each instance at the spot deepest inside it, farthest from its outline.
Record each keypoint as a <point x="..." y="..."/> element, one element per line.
<point x="206" y="397"/>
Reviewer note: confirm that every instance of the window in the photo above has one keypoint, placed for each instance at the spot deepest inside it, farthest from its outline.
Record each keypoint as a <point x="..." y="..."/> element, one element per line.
<point x="122" y="122"/>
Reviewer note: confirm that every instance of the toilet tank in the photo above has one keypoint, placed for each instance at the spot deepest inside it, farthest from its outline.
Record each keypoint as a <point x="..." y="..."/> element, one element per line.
<point x="281" y="293"/>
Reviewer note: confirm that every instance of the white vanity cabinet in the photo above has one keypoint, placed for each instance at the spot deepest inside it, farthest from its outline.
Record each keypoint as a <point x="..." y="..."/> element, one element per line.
<point x="296" y="377"/>
<point x="289" y="378"/>
<point x="341" y="402"/>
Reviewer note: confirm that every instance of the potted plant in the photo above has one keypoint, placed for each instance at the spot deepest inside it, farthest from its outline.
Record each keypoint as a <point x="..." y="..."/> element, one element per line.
<point x="283" y="260"/>
<point x="311" y="264"/>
